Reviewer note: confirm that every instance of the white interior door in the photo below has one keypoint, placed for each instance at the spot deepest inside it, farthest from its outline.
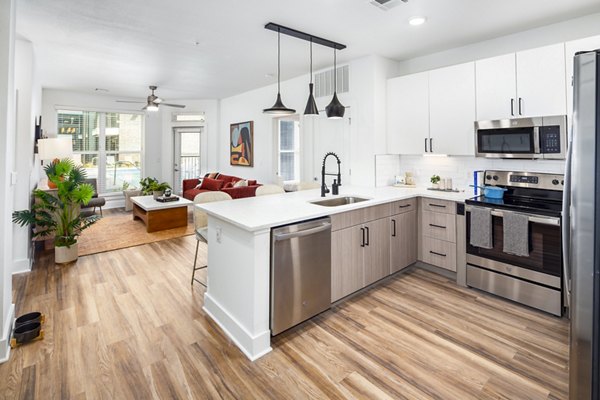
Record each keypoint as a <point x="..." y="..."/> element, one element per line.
<point x="186" y="157"/>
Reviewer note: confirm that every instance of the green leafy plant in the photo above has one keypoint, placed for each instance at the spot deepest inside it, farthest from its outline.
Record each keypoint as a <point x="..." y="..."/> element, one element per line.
<point x="58" y="213"/>
<point x="146" y="185"/>
<point x="159" y="187"/>
<point x="435" y="179"/>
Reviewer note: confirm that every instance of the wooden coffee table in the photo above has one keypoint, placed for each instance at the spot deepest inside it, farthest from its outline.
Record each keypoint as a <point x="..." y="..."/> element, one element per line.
<point x="159" y="216"/>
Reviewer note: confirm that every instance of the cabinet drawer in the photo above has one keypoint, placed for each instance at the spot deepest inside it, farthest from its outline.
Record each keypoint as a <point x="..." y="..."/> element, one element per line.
<point x="376" y="212"/>
<point x="439" y="253"/>
<point x="439" y="226"/>
<point x="346" y="219"/>
<point x="440" y="206"/>
<point x="403" y="206"/>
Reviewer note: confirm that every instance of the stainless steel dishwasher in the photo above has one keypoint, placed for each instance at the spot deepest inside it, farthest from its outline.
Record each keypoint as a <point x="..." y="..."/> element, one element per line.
<point x="300" y="272"/>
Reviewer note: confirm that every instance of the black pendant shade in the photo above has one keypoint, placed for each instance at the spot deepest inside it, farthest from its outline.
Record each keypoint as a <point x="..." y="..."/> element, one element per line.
<point x="278" y="108"/>
<point x="335" y="109"/>
<point x="311" y="105"/>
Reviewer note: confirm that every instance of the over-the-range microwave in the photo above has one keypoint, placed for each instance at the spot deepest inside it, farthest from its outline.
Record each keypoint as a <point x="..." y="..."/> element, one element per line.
<point x="527" y="138"/>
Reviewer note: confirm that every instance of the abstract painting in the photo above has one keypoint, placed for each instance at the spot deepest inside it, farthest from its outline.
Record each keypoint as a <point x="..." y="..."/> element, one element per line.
<point x="242" y="144"/>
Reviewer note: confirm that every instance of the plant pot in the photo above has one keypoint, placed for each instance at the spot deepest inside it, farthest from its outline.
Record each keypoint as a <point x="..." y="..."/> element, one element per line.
<point x="435" y="185"/>
<point x="157" y="193"/>
<point x="66" y="254"/>
<point x="128" y="195"/>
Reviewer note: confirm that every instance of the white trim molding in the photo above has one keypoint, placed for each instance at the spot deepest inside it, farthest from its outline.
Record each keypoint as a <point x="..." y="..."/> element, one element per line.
<point x="6" y="335"/>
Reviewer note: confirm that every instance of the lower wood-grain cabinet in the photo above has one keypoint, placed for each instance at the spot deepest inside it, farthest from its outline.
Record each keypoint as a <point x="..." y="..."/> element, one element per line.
<point x="403" y="240"/>
<point x="437" y="233"/>
<point x="360" y="255"/>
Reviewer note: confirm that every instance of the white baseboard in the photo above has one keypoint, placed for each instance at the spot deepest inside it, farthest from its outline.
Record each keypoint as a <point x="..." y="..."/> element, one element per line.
<point x="6" y="334"/>
<point x="253" y="346"/>
<point x="22" y="265"/>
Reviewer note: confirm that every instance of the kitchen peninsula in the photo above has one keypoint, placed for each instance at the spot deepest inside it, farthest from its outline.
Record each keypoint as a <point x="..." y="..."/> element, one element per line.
<point x="238" y="292"/>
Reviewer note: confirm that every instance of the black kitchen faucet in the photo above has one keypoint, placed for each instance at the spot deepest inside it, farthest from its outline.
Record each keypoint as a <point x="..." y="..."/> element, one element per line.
<point x="336" y="183"/>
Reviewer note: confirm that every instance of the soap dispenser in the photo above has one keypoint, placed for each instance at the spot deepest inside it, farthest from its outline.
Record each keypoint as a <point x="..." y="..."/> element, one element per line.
<point x="334" y="187"/>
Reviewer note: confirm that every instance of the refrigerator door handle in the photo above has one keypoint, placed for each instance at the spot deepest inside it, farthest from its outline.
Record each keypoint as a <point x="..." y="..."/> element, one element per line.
<point x="566" y="223"/>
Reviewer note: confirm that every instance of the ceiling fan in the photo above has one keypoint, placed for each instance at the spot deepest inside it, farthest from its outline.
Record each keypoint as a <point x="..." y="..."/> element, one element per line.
<point x="152" y="102"/>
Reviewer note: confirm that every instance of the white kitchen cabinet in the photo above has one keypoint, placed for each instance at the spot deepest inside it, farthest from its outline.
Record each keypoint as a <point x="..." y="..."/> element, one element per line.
<point x="407" y="114"/>
<point x="452" y="110"/>
<point x="541" y="86"/>
<point x="591" y="43"/>
<point x="529" y="83"/>
<point x="496" y="85"/>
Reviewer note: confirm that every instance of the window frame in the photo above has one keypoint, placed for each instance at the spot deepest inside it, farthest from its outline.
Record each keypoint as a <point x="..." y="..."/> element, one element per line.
<point x="297" y="151"/>
<point x="102" y="141"/>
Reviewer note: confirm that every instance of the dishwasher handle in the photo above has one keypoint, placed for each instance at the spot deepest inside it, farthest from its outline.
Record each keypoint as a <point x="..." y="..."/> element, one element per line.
<point x="306" y="232"/>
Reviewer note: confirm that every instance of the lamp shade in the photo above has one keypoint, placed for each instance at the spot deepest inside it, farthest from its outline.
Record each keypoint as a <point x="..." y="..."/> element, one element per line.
<point x="52" y="148"/>
<point x="311" y="105"/>
<point x="335" y="109"/>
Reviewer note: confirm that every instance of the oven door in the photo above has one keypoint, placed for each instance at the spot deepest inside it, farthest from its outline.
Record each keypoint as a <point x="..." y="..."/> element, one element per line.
<point x="544" y="263"/>
<point x="512" y="138"/>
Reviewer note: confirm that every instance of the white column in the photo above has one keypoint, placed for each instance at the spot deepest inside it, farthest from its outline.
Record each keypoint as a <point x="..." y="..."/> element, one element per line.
<point x="7" y="154"/>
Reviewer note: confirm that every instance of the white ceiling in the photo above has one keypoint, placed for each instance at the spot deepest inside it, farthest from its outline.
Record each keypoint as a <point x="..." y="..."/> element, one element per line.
<point x="217" y="48"/>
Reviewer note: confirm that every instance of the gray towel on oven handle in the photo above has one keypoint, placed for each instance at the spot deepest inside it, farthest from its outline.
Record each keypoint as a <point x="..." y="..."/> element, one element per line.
<point x="481" y="228"/>
<point x="516" y="234"/>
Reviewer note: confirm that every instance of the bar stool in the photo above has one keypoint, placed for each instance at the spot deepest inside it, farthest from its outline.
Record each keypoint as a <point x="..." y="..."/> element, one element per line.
<point x="201" y="224"/>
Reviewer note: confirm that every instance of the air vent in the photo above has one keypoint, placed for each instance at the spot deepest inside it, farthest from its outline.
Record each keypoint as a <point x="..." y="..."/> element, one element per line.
<point x="324" y="81"/>
<point x="386" y="5"/>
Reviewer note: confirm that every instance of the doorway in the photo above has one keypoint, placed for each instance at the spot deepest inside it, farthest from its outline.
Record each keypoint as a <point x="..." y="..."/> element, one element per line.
<point x="186" y="157"/>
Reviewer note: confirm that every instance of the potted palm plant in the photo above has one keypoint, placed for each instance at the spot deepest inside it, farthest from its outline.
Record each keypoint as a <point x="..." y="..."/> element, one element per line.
<point x="58" y="213"/>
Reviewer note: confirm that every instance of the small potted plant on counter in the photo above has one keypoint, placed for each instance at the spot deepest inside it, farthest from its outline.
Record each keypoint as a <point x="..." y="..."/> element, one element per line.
<point x="58" y="213"/>
<point x="146" y="185"/>
<point x="158" y="189"/>
<point x="435" y="181"/>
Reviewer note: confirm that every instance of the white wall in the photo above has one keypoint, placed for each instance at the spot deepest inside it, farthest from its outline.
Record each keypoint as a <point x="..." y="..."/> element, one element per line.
<point x="556" y="33"/>
<point x="356" y="138"/>
<point x="158" y="135"/>
<point x="7" y="161"/>
<point x="28" y="108"/>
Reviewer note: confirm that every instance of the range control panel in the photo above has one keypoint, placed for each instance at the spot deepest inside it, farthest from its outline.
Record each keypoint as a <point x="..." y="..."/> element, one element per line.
<point x="524" y="179"/>
<point x="550" y="139"/>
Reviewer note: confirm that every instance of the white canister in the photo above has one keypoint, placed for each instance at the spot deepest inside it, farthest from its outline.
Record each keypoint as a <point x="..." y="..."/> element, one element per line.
<point x="442" y="185"/>
<point x="449" y="185"/>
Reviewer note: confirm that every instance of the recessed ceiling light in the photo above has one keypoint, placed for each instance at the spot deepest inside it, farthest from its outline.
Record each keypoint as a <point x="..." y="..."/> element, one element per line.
<point x="416" y="21"/>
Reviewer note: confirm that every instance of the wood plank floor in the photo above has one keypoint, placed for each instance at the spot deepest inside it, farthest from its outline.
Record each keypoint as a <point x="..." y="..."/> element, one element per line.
<point x="127" y="325"/>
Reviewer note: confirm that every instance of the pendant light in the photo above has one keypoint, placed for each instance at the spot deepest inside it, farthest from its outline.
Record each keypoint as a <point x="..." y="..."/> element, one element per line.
<point x="278" y="108"/>
<point x="335" y="109"/>
<point x="311" y="106"/>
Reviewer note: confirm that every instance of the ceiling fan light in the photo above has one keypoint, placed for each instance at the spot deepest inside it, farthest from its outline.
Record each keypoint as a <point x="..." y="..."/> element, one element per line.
<point x="311" y="105"/>
<point x="278" y="108"/>
<point x="151" y="107"/>
<point x="335" y="109"/>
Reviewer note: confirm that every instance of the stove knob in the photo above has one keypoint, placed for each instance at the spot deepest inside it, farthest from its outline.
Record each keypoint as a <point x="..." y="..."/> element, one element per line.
<point x="488" y="177"/>
<point x="562" y="183"/>
<point x="496" y="177"/>
<point x="555" y="181"/>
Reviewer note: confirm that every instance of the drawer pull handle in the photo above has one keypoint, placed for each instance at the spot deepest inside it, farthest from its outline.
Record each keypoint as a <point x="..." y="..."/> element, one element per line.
<point x="362" y="243"/>
<point x="367" y="229"/>
<point x="437" y="205"/>
<point x="437" y="254"/>
<point x="404" y="205"/>
<point x="394" y="228"/>
<point x="437" y="226"/>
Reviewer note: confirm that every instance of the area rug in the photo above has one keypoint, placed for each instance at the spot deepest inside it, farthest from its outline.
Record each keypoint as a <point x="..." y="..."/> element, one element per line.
<point x="118" y="231"/>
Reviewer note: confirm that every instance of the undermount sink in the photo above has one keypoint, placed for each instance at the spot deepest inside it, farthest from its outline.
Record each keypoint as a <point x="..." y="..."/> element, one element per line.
<point x="339" y="201"/>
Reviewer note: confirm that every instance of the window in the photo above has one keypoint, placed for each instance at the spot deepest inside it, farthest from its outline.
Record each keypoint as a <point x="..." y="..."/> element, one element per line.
<point x="288" y="137"/>
<point x="108" y="145"/>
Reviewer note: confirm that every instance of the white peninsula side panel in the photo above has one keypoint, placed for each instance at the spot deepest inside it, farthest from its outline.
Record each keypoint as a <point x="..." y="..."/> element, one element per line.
<point x="238" y="279"/>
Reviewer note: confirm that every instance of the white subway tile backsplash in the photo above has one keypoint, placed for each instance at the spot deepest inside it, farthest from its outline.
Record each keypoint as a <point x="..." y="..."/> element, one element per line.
<point x="459" y="168"/>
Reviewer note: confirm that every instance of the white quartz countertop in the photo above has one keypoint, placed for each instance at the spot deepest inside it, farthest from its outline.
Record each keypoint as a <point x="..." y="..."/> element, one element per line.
<point x="264" y="212"/>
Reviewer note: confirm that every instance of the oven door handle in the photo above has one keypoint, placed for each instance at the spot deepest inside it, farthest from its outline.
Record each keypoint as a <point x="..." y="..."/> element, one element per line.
<point x="535" y="219"/>
<point x="536" y="139"/>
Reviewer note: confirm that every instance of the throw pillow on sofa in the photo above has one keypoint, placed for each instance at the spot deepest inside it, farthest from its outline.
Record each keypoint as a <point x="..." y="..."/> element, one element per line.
<point x="227" y="185"/>
<point x="251" y="182"/>
<point x="199" y="183"/>
<point x="241" y="183"/>
<point x="212" y="175"/>
<point x="211" y="184"/>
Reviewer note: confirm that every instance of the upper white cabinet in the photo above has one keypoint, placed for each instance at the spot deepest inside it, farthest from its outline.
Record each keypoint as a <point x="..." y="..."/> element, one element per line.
<point x="407" y="113"/>
<point x="526" y="84"/>
<point x="452" y="110"/>
<point x="591" y="43"/>
<point x="432" y="112"/>
<point x="496" y="83"/>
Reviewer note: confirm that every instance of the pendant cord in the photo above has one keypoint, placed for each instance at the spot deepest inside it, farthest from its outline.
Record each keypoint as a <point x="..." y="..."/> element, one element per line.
<point x="278" y="60"/>
<point x="311" y="74"/>
<point x="334" y="71"/>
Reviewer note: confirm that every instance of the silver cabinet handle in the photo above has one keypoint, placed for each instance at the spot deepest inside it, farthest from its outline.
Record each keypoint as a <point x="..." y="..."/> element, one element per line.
<point x="292" y="235"/>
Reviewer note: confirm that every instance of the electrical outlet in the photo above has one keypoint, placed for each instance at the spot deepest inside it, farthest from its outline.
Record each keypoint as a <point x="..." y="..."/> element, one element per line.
<point x="219" y="234"/>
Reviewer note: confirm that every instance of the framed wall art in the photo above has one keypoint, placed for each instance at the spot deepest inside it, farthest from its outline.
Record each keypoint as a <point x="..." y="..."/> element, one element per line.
<point x="241" y="144"/>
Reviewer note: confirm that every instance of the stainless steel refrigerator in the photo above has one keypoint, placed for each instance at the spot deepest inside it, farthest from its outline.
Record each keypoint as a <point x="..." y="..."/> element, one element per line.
<point x="581" y="229"/>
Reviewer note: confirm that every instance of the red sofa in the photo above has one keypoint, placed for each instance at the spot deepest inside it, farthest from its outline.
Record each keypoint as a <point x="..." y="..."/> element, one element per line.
<point x="190" y="191"/>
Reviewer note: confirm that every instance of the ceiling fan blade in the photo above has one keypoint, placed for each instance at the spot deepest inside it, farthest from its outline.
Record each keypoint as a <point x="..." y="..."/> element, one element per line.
<point x="173" y="105"/>
<point x="130" y="101"/>
<point x="158" y="100"/>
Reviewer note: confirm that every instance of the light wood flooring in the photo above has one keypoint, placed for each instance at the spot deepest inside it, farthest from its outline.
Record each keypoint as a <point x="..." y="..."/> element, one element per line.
<point x="127" y="325"/>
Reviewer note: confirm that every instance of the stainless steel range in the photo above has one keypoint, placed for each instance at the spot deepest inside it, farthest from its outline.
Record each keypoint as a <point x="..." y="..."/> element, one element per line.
<point x="533" y="275"/>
